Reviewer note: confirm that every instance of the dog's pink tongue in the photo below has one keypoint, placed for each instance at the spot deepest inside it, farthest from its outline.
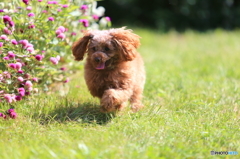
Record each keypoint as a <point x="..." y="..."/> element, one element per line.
<point x="100" y="66"/>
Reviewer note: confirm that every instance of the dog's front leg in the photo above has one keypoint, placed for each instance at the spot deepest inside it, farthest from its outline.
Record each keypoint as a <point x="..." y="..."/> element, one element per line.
<point x="114" y="99"/>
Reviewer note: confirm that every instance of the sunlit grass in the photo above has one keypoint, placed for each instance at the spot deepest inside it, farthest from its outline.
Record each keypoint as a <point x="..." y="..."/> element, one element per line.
<point x="191" y="95"/>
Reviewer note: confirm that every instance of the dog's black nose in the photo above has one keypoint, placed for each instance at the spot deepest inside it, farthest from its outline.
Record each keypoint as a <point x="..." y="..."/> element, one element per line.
<point x="97" y="59"/>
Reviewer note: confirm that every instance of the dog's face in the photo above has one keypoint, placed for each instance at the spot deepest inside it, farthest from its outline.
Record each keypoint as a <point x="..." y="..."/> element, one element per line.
<point x="106" y="48"/>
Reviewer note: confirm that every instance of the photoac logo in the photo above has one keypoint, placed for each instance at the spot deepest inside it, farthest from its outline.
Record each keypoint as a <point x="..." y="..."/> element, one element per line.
<point x="224" y="153"/>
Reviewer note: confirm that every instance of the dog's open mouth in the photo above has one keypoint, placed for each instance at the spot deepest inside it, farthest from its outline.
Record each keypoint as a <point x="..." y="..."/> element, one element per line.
<point x="104" y="65"/>
<point x="100" y="66"/>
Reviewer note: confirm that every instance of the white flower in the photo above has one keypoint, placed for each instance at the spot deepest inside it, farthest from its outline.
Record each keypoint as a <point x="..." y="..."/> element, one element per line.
<point x="99" y="11"/>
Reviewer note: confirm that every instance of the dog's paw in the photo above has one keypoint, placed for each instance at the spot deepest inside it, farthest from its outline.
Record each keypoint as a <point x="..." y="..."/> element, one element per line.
<point x="110" y="101"/>
<point x="136" y="107"/>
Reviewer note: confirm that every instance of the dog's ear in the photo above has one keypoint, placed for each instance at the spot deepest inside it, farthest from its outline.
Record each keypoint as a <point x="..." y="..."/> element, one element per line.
<point x="126" y="41"/>
<point x="79" y="48"/>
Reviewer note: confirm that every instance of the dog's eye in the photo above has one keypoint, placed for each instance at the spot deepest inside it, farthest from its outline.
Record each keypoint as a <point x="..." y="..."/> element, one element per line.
<point x="94" y="48"/>
<point x="106" y="49"/>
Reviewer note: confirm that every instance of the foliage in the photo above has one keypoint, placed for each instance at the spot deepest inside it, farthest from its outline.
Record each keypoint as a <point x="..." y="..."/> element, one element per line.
<point x="176" y="14"/>
<point x="35" y="41"/>
<point x="191" y="103"/>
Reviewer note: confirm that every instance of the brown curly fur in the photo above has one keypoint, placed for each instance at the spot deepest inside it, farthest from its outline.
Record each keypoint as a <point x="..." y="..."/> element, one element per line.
<point x="114" y="70"/>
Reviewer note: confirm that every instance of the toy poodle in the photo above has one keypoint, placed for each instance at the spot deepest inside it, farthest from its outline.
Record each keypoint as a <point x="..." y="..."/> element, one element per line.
<point x="114" y="70"/>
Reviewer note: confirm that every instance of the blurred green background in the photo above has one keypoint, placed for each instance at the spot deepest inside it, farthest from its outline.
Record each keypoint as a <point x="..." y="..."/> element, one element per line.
<point x="180" y="15"/>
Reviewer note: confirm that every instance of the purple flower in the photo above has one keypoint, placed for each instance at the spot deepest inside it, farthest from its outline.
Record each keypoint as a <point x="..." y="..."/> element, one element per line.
<point x="14" y="42"/>
<point x="63" y="68"/>
<point x="26" y="2"/>
<point x="61" y="36"/>
<point x="31" y="14"/>
<point x="84" y="22"/>
<point x="11" y="23"/>
<point x="39" y="57"/>
<point x="6" y="18"/>
<point x="3" y="115"/>
<point x="1" y="10"/>
<point x="39" y="0"/>
<point x="84" y="7"/>
<point x="11" y="54"/>
<point x="20" y="71"/>
<point x="31" y="26"/>
<point x="50" y="19"/>
<point x="18" y="98"/>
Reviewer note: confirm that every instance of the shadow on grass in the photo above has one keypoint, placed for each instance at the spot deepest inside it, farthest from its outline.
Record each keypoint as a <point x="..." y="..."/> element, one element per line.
<point x="84" y="113"/>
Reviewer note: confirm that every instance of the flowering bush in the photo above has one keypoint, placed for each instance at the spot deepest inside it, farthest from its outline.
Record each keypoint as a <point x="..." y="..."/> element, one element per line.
<point x="35" y="41"/>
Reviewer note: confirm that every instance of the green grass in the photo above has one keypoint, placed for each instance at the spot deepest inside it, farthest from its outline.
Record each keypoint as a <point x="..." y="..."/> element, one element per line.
<point x="192" y="99"/>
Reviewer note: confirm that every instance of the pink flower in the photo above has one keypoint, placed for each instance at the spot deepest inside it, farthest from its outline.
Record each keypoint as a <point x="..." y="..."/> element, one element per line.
<point x="12" y="65"/>
<point x="7" y="31"/>
<point x="8" y="98"/>
<point x="20" y="79"/>
<point x="64" y="5"/>
<point x="29" y="8"/>
<point x="54" y="60"/>
<point x="24" y="43"/>
<point x="11" y="23"/>
<point x="6" y="18"/>
<point x="50" y="19"/>
<point x="11" y="112"/>
<point x="84" y="7"/>
<point x="61" y="36"/>
<point x="31" y="14"/>
<point x="62" y="29"/>
<point x="44" y="11"/>
<point x="108" y="19"/>
<point x="18" y="65"/>
<point x="31" y="26"/>
<point x="26" y="2"/>
<point x="73" y="33"/>
<point x="6" y="58"/>
<point x="11" y="54"/>
<point x="52" y="2"/>
<point x="39" y="0"/>
<point x="30" y="49"/>
<point x="28" y="84"/>
<point x="67" y="80"/>
<point x="39" y="57"/>
<point x="95" y="17"/>
<point x="14" y="42"/>
<point x="84" y="22"/>
<point x="21" y="91"/>
<point x="4" y="37"/>
<point x="1" y="44"/>
<point x="35" y="79"/>
<point x="63" y="68"/>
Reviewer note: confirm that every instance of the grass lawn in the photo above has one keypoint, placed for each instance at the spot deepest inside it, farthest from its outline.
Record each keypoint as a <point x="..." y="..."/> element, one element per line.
<point x="192" y="106"/>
